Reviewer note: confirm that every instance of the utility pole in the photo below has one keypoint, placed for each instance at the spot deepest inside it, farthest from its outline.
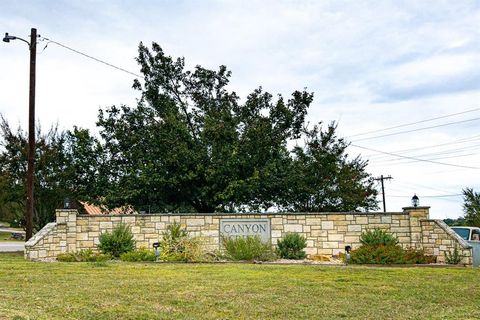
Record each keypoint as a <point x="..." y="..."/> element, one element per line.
<point x="381" y="178"/>
<point x="32" y="46"/>
<point x="31" y="134"/>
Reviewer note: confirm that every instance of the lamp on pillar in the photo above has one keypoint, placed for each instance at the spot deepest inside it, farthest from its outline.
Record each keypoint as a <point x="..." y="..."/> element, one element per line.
<point x="415" y="201"/>
<point x="66" y="203"/>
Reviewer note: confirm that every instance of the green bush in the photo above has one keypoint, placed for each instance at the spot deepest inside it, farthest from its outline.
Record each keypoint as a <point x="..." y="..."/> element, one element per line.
<point x="247" y="248"/>
<point x="84" y="256"/>
<point x="381" y="247"/>
<point x="142" y="254"/>
<point x="412" y="256"/>
<point x="175" y="245"/>
<point x="378" y="237"/>
<point x="377" y="255"/>
<point x="453" y="257"/>
<point x="391" y="254"/>
<point x="291" y="247"/>
<point x="117" y="242"/>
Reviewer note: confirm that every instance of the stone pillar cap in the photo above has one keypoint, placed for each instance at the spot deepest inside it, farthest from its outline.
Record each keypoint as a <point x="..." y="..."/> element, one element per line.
<point x="415" y="208"/>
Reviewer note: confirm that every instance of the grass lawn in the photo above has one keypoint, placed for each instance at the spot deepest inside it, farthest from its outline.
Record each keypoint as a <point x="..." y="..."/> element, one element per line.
<point x="7" y="237"/>
<point x="34" y="290"/>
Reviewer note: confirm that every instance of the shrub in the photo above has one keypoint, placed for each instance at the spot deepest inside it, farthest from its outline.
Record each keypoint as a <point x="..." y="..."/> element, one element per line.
<point x="247" y="248"/>
<point x="381" y="247"/>
<point x="412" y="256"/>
<point x="378" y="237"/>
<point x="177" y="246"/>
<point x="142" y="254"/>
<point x="83" y="256"/>
<point x="117" y="242"/>
<point x="291" y="246"/>
<point x="377" y="255"/>
<point x="453" y="257"/>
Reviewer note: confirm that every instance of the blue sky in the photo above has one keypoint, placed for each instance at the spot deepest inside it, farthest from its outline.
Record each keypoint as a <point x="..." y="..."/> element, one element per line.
<point x="371" y="65"/>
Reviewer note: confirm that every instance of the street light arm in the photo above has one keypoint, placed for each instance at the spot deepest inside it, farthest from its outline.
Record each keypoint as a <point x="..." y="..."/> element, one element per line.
<point x="8" y="37"/>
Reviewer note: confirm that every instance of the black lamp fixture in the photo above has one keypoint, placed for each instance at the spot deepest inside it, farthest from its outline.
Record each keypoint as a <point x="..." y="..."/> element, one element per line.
<point x="7" y="38"/>
<point x="66" y="203"/>
<point x="415" y="201"/>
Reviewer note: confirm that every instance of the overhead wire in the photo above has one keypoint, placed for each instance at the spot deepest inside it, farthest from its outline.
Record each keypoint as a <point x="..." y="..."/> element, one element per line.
<point x="413" y="123"/>
<point x="457" y="141"/>
<point x="418" y="129"/>
<point x="416" y="159"/>
<point x="89" y="56"/>
<point x="429" y="196"/>
<point x="446" y="154"/>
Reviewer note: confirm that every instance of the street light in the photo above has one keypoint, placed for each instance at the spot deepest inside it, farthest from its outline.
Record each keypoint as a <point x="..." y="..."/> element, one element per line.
<point x="32" y="45"/>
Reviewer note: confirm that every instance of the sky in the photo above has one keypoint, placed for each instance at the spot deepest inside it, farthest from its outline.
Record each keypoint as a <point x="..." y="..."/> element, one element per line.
<point x="410" y="67"/>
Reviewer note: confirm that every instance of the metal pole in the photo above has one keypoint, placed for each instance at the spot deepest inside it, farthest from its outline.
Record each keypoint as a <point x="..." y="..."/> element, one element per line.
<point x="31" y="135"/>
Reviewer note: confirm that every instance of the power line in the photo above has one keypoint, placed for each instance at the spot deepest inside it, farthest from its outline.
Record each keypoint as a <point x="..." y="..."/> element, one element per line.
<point x="413" y="123"/>
<point x="458" y="141"/>
<point x="434" y="196"/>
<point x="419" y="129"/>
<point x="89" y="56"/>
<point x="417" y="159"/>
<point x="437" y="156"/>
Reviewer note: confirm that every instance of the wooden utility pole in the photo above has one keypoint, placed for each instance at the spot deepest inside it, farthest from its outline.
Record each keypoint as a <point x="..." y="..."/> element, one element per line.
<point x="381" y="178"/>
<point x="31" y="135"/>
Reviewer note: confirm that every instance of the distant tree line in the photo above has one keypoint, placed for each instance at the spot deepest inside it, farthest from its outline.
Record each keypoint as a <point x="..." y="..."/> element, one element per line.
<point x="189" y="145"/>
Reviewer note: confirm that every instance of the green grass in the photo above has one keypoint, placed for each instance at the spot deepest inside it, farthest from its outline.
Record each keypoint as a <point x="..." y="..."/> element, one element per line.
<point x="119" y="290"/>
<point x="7" y="237"/>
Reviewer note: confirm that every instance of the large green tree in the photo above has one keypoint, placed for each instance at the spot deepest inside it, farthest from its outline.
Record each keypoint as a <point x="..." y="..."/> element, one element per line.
<point x="190" y="144"/>
<point x="66" y="166"/>
<point x="49" y="180"/>
<point x="471" y="207"/>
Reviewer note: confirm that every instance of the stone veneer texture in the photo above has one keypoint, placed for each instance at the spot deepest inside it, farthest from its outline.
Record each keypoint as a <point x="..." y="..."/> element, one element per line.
<point x="326" y="233"/>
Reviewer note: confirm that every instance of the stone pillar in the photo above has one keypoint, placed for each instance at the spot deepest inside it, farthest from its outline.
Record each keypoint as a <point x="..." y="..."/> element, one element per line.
<point x="67" y="223"/>
<point x="416" y="215"/>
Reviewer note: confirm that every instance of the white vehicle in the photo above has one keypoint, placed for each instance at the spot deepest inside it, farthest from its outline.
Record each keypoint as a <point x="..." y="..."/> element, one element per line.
<point x="468" y="233"/>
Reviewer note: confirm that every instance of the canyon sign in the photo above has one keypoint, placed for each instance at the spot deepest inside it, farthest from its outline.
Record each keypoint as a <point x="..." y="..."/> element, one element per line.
<point x="246" y="227"/>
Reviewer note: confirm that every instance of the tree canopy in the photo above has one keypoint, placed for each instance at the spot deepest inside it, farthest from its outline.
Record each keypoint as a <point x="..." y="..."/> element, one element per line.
<point x="471" y="207"/>
<point x="191" y="144"/>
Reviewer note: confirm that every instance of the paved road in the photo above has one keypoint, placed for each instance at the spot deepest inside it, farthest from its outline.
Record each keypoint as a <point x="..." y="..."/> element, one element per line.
<point x="12" y="246"/>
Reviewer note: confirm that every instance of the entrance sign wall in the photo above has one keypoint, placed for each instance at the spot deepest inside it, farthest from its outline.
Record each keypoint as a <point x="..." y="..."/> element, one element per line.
<point x="327" y="234"/>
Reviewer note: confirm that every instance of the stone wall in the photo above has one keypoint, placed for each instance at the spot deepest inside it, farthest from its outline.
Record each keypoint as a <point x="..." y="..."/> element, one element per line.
<point x="327" y="234"/>
<point x="438" y="239"/>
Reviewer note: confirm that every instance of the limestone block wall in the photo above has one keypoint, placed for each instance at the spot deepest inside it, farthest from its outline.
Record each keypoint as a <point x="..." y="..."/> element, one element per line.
<point x="326" y="233"/>
<point x="438" y="239"/>
<point x="47" y="243"/>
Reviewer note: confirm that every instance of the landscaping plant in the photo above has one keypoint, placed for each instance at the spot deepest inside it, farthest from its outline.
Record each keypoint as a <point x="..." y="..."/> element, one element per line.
<point x="247" y="248"/>
<point x="378" y="237"/>
<point x="119" y="241"/>
<point x="141" y="254"/>
<point x="176" y="245"/>
<point x="381" y="247"/>
<point x="453" y="257"/>
<point x="291" y="246"/>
